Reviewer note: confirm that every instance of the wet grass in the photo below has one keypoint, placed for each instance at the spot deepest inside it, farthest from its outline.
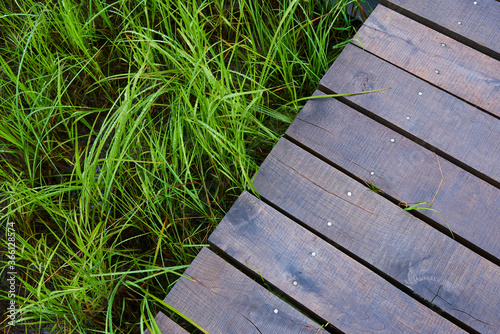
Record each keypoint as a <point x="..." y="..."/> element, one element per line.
<point x="128" y="128"/>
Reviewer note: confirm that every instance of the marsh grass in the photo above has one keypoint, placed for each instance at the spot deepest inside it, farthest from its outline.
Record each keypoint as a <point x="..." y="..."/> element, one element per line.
<point x="128" y="128"/>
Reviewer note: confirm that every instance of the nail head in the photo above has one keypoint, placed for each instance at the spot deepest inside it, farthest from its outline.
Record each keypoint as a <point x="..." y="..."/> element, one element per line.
<point x="349" y="193"/>
<point x="372" y="173"/>
<point x="313" y="254"/>
<point x="437" y="71"/>
<point x="460" y="22"/>
<point x="420" y="93"/>
<point x="392" y="140"/>
<point x="275" y="310"/>
<point x="329" y="223"/>
<point x="475" y="2"/>
<point x="294" y="283"/>
<point x="407" y="117"/>
<point x="442" y="44"/>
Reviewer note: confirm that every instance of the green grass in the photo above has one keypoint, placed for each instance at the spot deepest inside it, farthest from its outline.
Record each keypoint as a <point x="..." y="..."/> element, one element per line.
<point x="128" y="128"/>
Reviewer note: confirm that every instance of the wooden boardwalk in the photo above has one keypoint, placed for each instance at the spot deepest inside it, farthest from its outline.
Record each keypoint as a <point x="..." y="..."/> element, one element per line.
<point x="326" y="247"/>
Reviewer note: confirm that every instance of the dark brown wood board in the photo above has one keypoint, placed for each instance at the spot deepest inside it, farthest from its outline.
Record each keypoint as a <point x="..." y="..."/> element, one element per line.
<point x="221" y="299"/>
<point x="443" y="123"/>
<point x="434" y="266"/>
<point x="318" y="276"/>
<point x="166" y="326"/>
<point x="443" y="61"/>
<point x="401" y="169"/>
<point x="479" y="24"/>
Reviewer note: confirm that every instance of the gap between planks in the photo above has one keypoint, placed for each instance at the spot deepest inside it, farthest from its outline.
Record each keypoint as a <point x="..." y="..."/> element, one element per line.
<point x="479" y="26"/>
<point x="442" y="61"/>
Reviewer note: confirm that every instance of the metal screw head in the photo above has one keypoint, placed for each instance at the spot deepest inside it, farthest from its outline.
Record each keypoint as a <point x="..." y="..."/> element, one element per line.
<point x="349" y="193"/>
<point x="443" y="45"/>
<point x="294" y="283"/>
<point x="275" y="310"/>
<point x="392" y="140"/>
<point x="436" y="71"/>
<point x="329" y="223"/>
<point x="313" y="254"/>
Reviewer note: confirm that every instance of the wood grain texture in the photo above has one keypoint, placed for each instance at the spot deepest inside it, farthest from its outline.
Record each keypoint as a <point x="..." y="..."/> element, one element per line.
<point x="221" y="299"/>
<point x="434" y="266"/>
<point x="331" y="284"/>
<point x="404" y="170"/>
<point x="463" y="71"/>
<point x="166" y="326"/>
<point x="480" y="21"/>
<point x="439" y="120"/>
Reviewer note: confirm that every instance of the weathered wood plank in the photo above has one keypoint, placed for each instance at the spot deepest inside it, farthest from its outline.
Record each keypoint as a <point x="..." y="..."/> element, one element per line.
<point x="404" y="170"/>
<point x="436" y="58"/>
<point x="434" y="266"/>
<point x="318" y="276"/>
<point x="479" y="28"/>
<point x="438" y="120"/>
<point x="221" y="299"/>
<point x="166" y="326"/>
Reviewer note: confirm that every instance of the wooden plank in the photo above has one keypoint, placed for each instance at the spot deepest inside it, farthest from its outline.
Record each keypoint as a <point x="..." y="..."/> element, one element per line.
<point x="480" y="24"/>
<point x="166" y="326"/>
<point x="403" y="170"/>
<point x="221" y="299"/>
<point x="446" y="63"/>
<point x="434" y="266"/>
<point x="320" y="277"/>
<point x="443" y="123"/>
